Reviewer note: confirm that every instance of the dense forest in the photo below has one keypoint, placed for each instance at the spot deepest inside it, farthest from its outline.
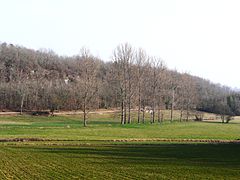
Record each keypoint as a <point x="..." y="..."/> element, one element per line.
<point x="42" y="80"/>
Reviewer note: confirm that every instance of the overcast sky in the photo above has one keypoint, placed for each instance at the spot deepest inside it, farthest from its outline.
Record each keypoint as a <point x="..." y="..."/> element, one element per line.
<point x="201" y="37"/>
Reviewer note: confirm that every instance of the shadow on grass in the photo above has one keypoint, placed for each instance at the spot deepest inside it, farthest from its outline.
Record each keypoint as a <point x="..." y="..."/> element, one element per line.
<point x="220" y="122"/>
<point x="210" y="154"/>
<point x="96" y="122"/>
<point x="212" y="122"/>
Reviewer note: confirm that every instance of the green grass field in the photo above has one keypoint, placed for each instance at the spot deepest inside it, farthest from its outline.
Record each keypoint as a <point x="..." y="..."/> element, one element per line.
<point x="77" y="152"/>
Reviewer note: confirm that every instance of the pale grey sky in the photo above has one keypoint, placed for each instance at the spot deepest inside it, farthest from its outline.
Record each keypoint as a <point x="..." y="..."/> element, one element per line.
<point x="201" y="37"/>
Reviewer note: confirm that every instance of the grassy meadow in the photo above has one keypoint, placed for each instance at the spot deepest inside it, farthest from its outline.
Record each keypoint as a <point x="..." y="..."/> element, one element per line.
<point x="72" y="151"/>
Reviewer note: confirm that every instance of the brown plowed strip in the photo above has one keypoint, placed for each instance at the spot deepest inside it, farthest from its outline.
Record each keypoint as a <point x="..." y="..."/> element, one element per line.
<point x="176" y="140"/>
<point x="126" y="140"/>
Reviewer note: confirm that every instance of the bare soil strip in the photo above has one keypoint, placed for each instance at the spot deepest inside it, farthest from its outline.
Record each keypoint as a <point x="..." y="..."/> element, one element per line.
<point x="11" y="113"/>
<point x="127" y="140"/>
<point x="177" y="140"/>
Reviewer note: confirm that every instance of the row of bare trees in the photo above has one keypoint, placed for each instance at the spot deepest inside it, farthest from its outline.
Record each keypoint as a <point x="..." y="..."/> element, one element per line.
<point x="144" y="81"/>
<point x="41" y="80"/>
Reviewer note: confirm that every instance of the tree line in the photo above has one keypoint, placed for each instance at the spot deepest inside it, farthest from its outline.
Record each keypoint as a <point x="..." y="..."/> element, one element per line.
<point x="42" y="80"/>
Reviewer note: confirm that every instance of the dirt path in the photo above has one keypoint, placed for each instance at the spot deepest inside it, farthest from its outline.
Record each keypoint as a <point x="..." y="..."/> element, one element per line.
<point x="80" y="112"/>
<point x="63" y="112"/>
<point x="9" y="113"/>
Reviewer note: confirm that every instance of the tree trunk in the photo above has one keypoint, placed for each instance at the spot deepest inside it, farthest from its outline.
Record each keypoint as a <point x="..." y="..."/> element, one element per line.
<point x="125" y="113"/>
<point x="153" y="106"/>
<point x="125" y="103"/>
<point x="129" y="93"/>
<point x="129" y="115"/>
<point x="129" y="109"/>
<point x="139" y="113"/>
<point x="22" y="101"/>
<point x="187" y="112"/>
<point x="159" y="114"/>
<point x="122" y="107"/>
<point x="172" y="105"/>
<point x="84" y="114"/>
<point x="172" y="113"/>
<point x="122" y="112"/>
<point x="162" y="117"/>
<point x="153" y="114"/>
<point x="222" y="117"/>
<point x="139" y="102"/>
<point x="181" y="115"/>
<point x="143" y="116"/>
<point x="84" y="118"/>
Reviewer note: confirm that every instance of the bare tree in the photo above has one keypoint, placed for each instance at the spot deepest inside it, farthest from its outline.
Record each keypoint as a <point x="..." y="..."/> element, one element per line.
<point x="160" y="90"/>
<point x="40" y="80"/>
<point x="172" y="87"/>
<point x="155" y="79"/>
<point x="87" y="83"/>
<point x="123" y="58"/>
<point x="141" y="59"/>
<point x="188" y="94"/>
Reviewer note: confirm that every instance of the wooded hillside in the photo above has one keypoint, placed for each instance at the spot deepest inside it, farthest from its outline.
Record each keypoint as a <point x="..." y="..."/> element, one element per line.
<point x="42" y="80"/>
